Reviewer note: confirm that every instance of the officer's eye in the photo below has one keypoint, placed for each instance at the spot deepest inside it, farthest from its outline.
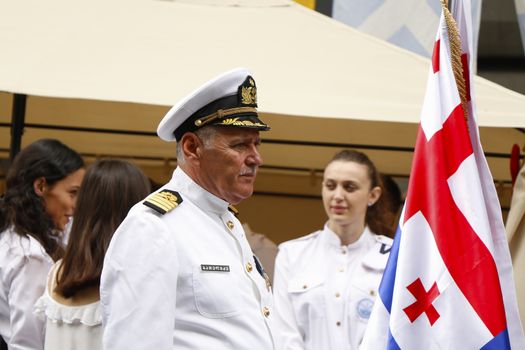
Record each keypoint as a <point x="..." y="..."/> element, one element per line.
<point x="240" y="146"/>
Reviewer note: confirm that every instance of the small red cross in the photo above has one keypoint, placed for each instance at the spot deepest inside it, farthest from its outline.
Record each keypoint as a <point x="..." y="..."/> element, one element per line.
<point x="423" y="303"/>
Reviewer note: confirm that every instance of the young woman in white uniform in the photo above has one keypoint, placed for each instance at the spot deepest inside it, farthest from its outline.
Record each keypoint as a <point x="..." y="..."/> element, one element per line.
<point x="42" y="185"/>
<point x="325" y="283"/>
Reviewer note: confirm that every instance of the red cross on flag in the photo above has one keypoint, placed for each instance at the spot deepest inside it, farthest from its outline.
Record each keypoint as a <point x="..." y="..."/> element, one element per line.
<point x="448" y="282"/>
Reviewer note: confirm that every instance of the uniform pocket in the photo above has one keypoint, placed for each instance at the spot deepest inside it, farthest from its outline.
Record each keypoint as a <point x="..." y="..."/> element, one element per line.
<point x="307" y="297"/>
<point x="216" y="293"/>
<point x="362" y="299"/>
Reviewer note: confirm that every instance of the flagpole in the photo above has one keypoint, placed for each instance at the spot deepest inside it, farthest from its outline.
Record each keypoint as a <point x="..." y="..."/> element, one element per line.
<point x="455" y="56"/>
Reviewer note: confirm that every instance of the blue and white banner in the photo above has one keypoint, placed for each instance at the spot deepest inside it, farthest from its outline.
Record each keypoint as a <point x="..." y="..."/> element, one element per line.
<point x="410" y="24"/>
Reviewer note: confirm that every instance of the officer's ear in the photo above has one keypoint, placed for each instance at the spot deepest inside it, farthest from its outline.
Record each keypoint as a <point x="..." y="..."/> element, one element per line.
<point x="192" y="146"/>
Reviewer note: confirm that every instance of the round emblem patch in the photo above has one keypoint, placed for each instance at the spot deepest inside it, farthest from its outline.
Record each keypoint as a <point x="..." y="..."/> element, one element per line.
<point x="364" y="308"/>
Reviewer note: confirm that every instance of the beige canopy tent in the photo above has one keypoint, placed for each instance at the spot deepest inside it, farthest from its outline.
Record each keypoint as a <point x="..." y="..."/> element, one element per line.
<point x="99" y="75"/>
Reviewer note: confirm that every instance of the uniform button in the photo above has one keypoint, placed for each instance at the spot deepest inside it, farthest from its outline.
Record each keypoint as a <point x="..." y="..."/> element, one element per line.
<point x="266" y="311"/>
<point x="341" y="269"/>
<point x="337" y="295"/>
<point x="343" y="251"/>
<point x="372" y="292"/>
<point x="338" y="323"/>
<point x="305" y="286"/>
<point x="230" y="224"/>
<point x="249" y="267"/>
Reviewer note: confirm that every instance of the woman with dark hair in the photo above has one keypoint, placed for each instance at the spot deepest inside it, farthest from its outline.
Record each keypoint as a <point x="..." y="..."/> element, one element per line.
<point x="41" y="190"/>
<point x="71" y="301"/>
<point x="325" y="283"/>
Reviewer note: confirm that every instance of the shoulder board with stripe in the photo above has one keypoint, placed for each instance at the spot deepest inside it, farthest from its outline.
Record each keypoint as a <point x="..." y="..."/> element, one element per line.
<point x="163" y="201"/>
<point x="234" y="210"/>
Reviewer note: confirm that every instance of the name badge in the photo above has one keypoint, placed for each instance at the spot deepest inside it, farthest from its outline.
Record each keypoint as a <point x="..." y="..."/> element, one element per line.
<point x="215" y="268"/>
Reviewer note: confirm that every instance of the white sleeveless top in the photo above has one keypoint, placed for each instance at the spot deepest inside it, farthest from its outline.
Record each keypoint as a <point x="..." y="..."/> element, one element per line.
<point x="69" y="327"/>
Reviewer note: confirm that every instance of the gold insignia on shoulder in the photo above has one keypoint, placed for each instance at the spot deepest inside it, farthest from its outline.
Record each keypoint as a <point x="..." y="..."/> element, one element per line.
<point x="163" y="201"/>
<point x="234" y="210"/>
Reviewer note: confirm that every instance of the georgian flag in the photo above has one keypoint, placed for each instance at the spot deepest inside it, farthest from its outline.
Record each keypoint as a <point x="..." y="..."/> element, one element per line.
<point x="448" y="282"/>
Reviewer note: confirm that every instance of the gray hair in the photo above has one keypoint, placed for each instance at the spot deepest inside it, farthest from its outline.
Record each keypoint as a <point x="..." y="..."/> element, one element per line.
<point x="206" y="135"/>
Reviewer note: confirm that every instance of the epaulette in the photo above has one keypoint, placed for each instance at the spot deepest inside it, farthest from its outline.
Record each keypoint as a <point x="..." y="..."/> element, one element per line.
<point x="234" y="210"/>
<point x="163" y="201"/>
<point x="307" y="237"/>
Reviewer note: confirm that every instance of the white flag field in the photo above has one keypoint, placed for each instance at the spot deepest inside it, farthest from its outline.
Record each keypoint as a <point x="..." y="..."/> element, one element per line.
<point x="448" y="283"/>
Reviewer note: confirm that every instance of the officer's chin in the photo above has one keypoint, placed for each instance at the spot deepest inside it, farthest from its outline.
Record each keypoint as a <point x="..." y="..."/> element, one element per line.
<point x="241" y="195"/>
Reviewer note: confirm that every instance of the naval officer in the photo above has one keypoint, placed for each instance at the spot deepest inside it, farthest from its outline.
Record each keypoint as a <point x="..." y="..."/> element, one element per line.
<point x="179" y="272"/>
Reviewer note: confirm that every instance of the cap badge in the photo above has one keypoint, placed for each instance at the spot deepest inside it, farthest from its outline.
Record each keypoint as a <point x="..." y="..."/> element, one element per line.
<point x="249" y="92"/>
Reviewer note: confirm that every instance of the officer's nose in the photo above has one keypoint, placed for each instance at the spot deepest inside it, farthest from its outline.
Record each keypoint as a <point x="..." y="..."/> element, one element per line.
<point x="255" y="157"/>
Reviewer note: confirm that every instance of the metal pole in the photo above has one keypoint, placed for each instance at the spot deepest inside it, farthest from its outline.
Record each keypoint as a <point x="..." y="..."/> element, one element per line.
<point x="324" y="7"/>
<point x="17" y="123"/>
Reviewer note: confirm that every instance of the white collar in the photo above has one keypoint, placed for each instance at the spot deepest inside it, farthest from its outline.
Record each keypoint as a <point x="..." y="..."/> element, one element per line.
<point x="332" y="239"/>
<point x="205" y="200"/>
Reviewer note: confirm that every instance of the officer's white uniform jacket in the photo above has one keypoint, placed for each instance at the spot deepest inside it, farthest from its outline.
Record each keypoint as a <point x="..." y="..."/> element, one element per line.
<point x="24" y="265"/>
<point x="186" y="279"/>
<point x="324" y="292"/>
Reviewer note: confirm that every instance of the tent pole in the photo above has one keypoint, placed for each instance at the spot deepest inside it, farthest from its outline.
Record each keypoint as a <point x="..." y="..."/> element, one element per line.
<point x="324" y="7"/>
<point x="17" y="123"/>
